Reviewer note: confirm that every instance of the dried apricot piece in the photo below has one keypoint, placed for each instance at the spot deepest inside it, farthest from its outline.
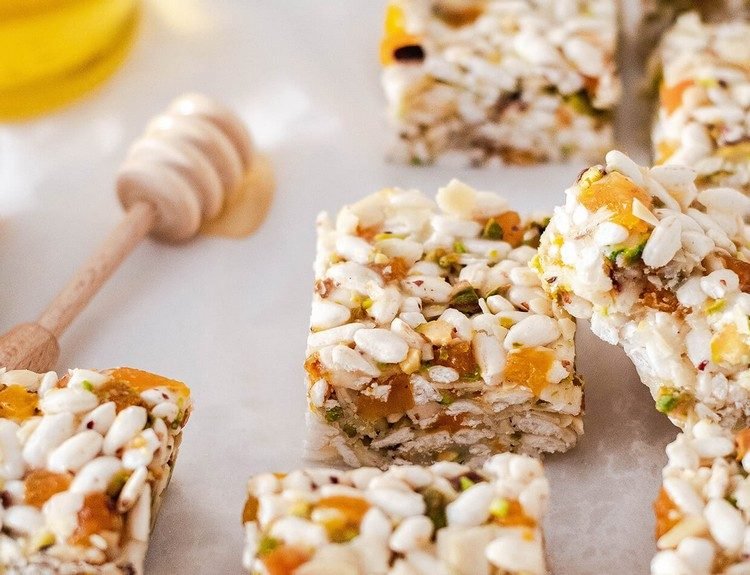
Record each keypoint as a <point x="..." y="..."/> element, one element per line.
<point x="250" y="511"/>
<point x="400" y="400"/>
<point x="17" y="402"/>
<point x="458" y="355"/>
<point x="529" y="367"/>
<point x="395" y="270"/>
<point x="97" y="514"/>
<point x="343" y="524"/>
<point x="341" y="516"/>
<point x="741" y="268"/>
<point x="396" y="38"/>
<point x="730" y="347"/>
<point x="666" y="513"/>
<point x="449" y="423"/>
<point x="506" y="226"/>
<point x="40" y="485"/>
<point x="140" y="381"/>
<point x="509" y="513"/>
<point x="671" y="96"/>
<point x="314" y="368"/>
<point x="743" y="443"/>
<point x="285" y="559"/>
<point x="664" y="151"/>
<point x="616" y="193"/>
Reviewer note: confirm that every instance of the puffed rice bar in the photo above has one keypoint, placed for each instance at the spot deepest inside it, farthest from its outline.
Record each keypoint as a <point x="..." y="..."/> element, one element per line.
<point x="664" y="12"/>
<point x="703" y="118"/>
<point x="444" y="520"/>
<point x="85" y="462"/>
<point x="489" y="81"/>
<point x="703" y="508"/>
<point x="431" y="337"/>
<point x="662" y="269"/>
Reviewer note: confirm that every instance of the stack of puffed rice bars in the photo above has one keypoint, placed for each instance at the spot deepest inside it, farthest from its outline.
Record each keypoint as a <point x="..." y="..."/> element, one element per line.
<point x="441" y="359"/>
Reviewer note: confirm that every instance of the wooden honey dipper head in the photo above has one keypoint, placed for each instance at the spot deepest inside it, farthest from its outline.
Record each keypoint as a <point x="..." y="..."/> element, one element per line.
<point x="188" y="162"/>
<point x="178" y="175"/>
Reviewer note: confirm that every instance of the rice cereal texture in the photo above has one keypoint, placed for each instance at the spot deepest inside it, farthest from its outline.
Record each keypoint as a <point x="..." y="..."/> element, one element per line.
<point x="662" y="269"/>
<point x="703" y="508"/>
<point x="659" y="15"/>
<point x="440" y="520"/>
<point x="85" y="462"/>
<point x="703" y="118"/>
<point x="473" y="82"/>
<point x="431" y="338"/>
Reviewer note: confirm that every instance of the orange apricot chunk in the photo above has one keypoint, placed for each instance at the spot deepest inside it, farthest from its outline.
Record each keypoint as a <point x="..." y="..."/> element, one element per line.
<point x="97" y="515"/>
<point x="506" y="226"/>
<point x="529" y="367"/>
<point x="285" y="559"/>
<point x="729" y="346"/>
<point x="664" y="151"/>
<point x="460" y="356"/>
<point x="449" y="423"/>
<point x="40" y="485"/>
<point x="616" y="193"/>
<point x="250" y="511"/>
<point x="400" y="400"/>
<point x="510" y="223"/>
<point x="671" y="96"/>
<point x="352" y="508"/>
<point x="395" y="35"/>
<point x="666" y="513"/>
<point x="741" y="268"/>
<point x="343" y="523"/>
<point x="17" y="402"/>
<point x="743" y="443"/>
<point x="511" y="514"/>
<point x="395" y="270"/>
<point x="140" y="381"/>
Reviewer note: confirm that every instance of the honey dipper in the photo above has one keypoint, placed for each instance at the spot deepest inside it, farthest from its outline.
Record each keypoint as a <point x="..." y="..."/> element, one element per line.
<point x="175" y="177"/>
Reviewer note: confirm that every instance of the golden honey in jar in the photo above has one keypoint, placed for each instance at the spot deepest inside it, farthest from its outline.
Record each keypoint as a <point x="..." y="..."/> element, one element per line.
<point x="54" y="51"/>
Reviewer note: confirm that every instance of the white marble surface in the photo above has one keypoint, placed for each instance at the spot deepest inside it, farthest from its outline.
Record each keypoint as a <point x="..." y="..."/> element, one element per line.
<point x="230" y="317"/>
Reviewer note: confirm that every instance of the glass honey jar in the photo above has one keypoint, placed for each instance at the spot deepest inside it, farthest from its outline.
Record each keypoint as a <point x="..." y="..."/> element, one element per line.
<point x="54" y="51"/>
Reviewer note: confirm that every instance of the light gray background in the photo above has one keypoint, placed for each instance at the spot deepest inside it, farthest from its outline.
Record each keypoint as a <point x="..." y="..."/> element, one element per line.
<point x="230" y="317"/>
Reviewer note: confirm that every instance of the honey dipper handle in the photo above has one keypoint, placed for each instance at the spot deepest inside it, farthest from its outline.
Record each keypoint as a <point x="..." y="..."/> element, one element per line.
<point x="137" y="223"/>
<point x="29" y="346"/>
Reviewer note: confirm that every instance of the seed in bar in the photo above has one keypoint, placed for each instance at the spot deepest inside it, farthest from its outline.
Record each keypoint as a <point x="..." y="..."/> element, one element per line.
<point x="85" y="462"/>
<point x="445" y="519"/>
<point x="432" y="339"/>
<point x="703" y="508"/>
<point x="662" y="269"/>
<point x="476" y="82"/>
<point x="704" y="101"/>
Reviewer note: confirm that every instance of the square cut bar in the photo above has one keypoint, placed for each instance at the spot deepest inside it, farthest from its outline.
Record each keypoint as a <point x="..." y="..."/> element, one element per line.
<point x="444" y="520"/>
<point x="431" y="337"/>
<point x="703" y="117"/>
<point x="703" y="508"/>
<point x="85" y="462"/>
<point x="473" y="82"/>
<point x="662" y="269"/>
